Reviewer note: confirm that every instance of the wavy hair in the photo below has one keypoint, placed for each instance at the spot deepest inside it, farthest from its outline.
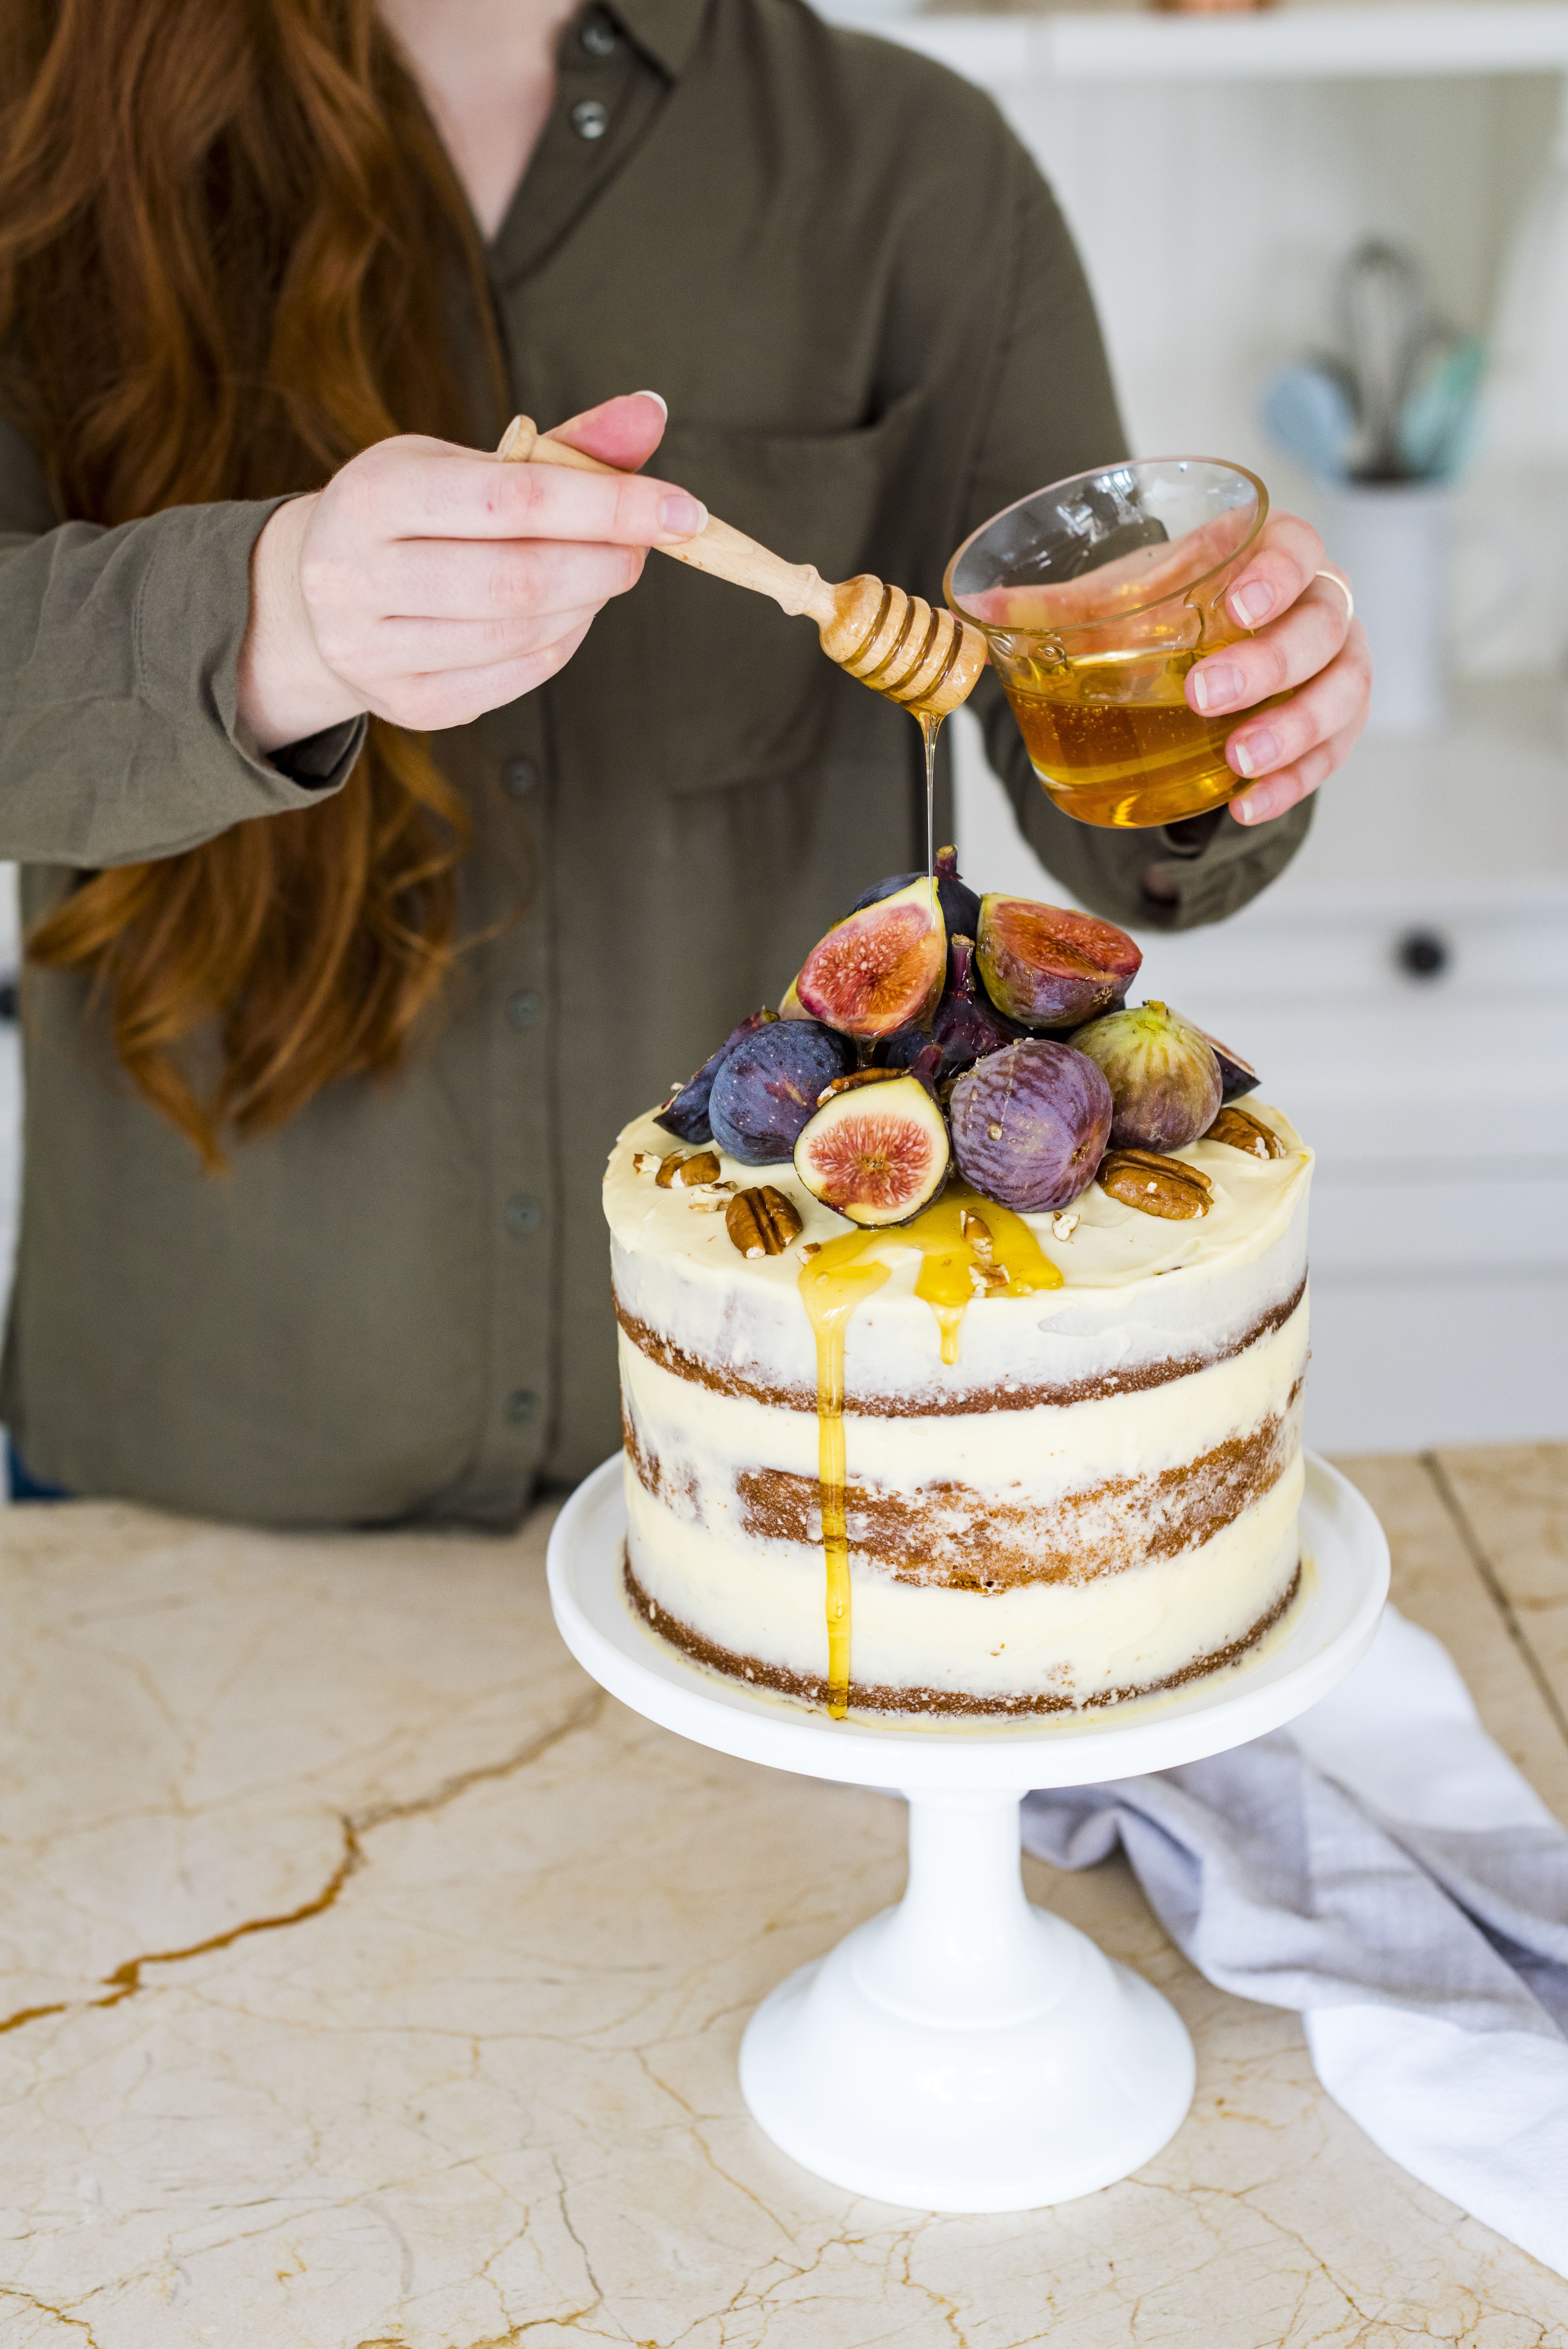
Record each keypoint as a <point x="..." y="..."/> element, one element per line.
<point x="229" y="242"/>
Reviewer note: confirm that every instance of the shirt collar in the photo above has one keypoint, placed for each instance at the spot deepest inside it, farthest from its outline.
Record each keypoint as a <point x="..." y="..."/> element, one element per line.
<point x="666" y="30"/>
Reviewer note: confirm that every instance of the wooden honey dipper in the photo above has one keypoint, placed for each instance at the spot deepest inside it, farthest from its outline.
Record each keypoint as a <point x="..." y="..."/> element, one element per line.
<point x="925" y="659"/>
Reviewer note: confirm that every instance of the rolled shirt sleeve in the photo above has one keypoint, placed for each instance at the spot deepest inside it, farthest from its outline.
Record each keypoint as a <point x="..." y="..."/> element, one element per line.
<point x="120" y="731"/>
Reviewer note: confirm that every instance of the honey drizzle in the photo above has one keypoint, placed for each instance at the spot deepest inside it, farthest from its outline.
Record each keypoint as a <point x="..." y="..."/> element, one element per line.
<point x="930" y="728"/>
<point x="969" y="1247"/>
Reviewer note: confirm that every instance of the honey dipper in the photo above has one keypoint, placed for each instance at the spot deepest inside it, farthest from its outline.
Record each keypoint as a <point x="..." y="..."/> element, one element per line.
<point x="925" y="659"/>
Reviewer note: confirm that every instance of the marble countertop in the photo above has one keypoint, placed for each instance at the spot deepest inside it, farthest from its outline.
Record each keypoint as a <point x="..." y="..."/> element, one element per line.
<point x="375" y="1982"/>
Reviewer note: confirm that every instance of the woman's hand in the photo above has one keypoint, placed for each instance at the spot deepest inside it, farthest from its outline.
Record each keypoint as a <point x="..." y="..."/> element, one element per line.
<point x="1302" y="635"/>
<point x="427" y="584"/>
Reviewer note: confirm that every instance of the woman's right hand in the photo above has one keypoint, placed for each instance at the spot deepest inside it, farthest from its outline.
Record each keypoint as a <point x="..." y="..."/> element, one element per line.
<point x="427" y="584"/>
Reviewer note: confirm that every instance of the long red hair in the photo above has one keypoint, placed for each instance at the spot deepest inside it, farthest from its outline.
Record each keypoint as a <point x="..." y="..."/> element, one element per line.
<point x="228" y="242"/>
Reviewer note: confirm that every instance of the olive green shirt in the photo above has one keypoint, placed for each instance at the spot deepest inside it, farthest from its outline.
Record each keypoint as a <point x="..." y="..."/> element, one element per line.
<point x="852" y="285"/>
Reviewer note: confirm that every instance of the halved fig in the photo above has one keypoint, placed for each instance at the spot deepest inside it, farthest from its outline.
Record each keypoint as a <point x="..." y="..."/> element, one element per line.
<point x="1047" y="967"/>
<point x="768" y="1084"/>
<point x="1164" y="1079"/>
<point x="965" y="1026"/>
<point x="960" y="905"/>
<point x="684" y="1114"/>
<point x="1031" y="1124"/>
<point x="1236" y="1076"/>
<point x="790" y="1006"/>
<point x="881" y="969"/>
<point x="875" y="1153"/>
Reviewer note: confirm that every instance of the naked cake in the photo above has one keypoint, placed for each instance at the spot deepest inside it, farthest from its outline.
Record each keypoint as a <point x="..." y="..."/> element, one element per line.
<point x="963" y="1381"/>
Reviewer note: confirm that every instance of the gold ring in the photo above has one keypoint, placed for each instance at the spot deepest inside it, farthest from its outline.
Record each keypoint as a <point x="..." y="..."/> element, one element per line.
<point x="1335" y="580"/>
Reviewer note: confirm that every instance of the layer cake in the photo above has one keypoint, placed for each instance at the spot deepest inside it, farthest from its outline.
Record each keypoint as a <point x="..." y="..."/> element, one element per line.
<point x="1054" y="1496"/>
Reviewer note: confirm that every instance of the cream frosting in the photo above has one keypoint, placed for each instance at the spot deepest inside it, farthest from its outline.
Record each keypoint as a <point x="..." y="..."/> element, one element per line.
<point x="1136" y="1290"/>
<point x="1113" y="1247"/>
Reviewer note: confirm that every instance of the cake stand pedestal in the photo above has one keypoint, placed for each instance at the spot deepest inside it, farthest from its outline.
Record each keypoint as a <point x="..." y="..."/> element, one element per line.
<point x="966" y="2051"/>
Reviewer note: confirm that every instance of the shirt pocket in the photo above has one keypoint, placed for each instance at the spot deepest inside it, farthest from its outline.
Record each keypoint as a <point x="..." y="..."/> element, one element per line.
<point x="745" y="689"/>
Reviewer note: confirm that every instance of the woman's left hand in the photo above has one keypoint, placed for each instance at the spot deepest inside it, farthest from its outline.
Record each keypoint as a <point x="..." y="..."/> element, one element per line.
<point x="1301" y="635"/>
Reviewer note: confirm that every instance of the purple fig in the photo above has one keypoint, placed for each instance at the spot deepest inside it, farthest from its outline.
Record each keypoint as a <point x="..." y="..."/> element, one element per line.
<point x="877" y="1149"/>
<point x="1049" y="967"/>
<point x="879" y="969"/>
<point x="960" y="905"/>
<point x="965" y="1026"/>
<point x="684" y="1114"/>
<point x="1236" y="1076"/>
<point x="1163" y="1077"/>
<point x="768" y="1084"/>
<point x="1031" y="1124"/>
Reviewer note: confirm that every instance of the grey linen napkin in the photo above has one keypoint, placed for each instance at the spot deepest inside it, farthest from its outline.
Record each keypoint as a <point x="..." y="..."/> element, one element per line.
<point x="1381" y="1867"/>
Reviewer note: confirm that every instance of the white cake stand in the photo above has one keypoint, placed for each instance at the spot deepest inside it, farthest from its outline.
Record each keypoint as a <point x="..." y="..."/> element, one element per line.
<point x="967" y="2051"/>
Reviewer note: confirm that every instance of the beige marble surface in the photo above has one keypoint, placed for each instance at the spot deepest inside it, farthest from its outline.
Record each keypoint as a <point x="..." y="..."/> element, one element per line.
<point x="373" y="1983"/>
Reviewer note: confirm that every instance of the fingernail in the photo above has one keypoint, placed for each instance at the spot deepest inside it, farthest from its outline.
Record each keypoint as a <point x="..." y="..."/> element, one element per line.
<point x="1256" y="753"/>
<point x="1252" y="604"/>
<point x="1243" y="810"/>
<point x="646" y="394"/>
<point x="1216" y="688"/>
<point x="681" y="516"/>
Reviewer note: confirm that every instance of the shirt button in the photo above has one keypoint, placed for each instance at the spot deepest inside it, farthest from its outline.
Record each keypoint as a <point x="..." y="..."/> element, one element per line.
<point x="518" y="778"/>
<point x="521" y="1405"/>
<point x="598" y="37"/>
<point x="589" y="119"/>
<point x="523" y="1215"/>
<point x="522" y="1008"/>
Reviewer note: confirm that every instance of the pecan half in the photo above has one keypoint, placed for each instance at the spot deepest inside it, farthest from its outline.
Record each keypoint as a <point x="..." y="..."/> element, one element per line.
<point x="702" y="1166"/>
<point x="1242" y="1131"/>
<point x="1155" y="1185"/>
<point x="762" y="1221"/>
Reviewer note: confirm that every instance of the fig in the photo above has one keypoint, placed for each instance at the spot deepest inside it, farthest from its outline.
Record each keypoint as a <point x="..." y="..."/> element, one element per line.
<point x="768" y="1084"/>
<point x="881" y="969"/>
<point x="965" y="1026"/>
<point x="960" y="905"/>
<point x="1163" y="1077"/>
<point x="790" y="1006"/>
<point x="1031" y="1124"/>
<point x="876" y="1151"/>
<point x="1236" y="1076"/>
<point x="1049" y="967"/>
<point x="684" y="1114"/>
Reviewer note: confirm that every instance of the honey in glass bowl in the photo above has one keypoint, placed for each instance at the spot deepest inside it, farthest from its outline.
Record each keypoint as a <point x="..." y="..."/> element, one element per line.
<point x="1096" y="596"/>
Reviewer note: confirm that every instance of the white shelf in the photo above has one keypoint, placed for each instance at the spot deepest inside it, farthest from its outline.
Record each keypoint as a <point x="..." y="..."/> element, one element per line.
<point x="1410" y="37"/>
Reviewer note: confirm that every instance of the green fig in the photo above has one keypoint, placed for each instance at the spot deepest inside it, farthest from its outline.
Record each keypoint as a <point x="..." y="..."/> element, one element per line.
<point x="1164" y="1079"/>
